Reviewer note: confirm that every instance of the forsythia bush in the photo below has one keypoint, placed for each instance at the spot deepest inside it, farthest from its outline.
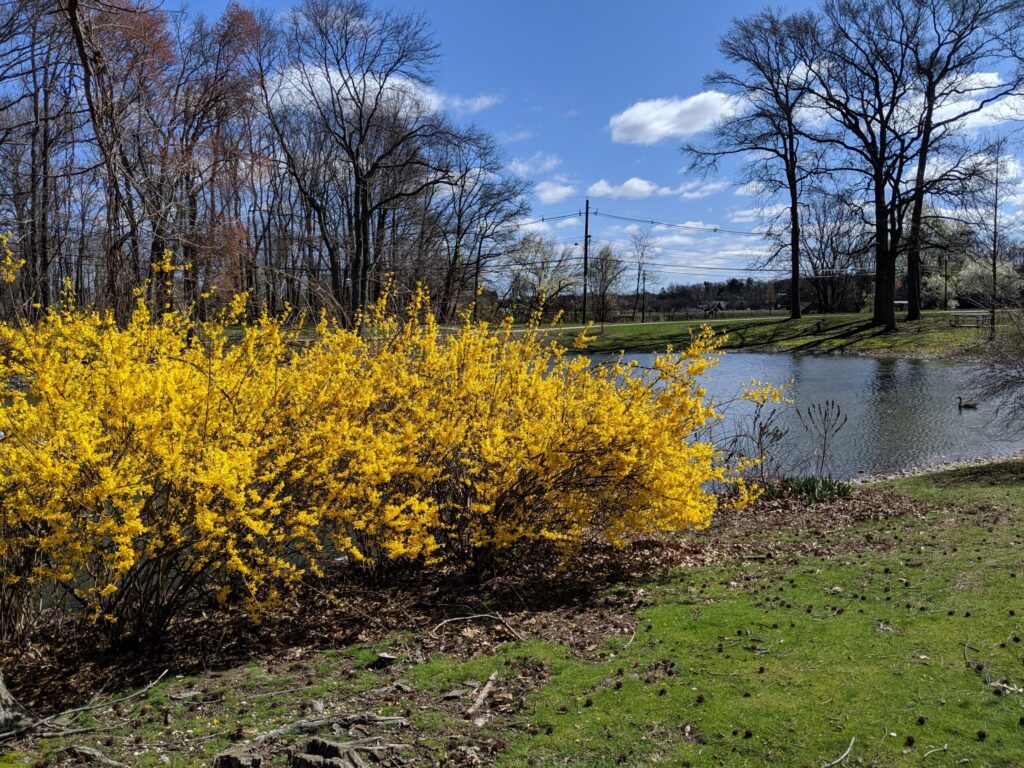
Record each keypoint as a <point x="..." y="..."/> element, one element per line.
<point x="142" y="467"/>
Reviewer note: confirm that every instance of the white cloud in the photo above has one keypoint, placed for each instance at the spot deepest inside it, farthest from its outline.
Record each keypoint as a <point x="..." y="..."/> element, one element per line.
<point x="695" y="190"/>
<point x="1005" y="110"/>
<point x="648" y="122"/>
<point x="470" y="105"/>
<point x="538" y="162"/>
<point x="307" y="84"/>
<point x="636" y="188"/>
<point x="757" y="215"/>
<point x="510" y="138"/>
<point x="631" y="189"/>
<point x="750" y="189"/>
<point x="533" y="227"/>
<point x="554" y="190"/>
<point x="968" y="95"/>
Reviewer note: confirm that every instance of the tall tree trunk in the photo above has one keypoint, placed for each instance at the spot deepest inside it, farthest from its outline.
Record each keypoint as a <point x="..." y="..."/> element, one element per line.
<point x="917" y="214"/>
<point x="885" y="272"/>
<point x="795" y="309"/>
<point x="189" y="248"/>
<point x="361" y="243"/>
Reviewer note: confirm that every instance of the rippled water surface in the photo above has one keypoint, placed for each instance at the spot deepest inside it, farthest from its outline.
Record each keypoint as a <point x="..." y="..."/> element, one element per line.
<point x="901" y="414"/>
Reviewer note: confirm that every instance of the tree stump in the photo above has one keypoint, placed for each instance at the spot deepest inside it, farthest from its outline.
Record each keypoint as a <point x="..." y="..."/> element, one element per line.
<point x="321" y="753"/>
<point x="237" y="757"/>
<point x="12" y="716"/>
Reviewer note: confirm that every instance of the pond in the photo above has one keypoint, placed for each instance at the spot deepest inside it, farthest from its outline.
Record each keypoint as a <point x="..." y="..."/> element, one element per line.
<point x="900" y="414"/>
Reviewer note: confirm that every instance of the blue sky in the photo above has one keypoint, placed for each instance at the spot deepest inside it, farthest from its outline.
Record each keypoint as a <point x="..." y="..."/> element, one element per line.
<point x="596" y="98"/>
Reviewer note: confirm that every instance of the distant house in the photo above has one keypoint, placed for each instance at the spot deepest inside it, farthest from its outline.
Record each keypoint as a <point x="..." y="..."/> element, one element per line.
<point x="712" y="308"/>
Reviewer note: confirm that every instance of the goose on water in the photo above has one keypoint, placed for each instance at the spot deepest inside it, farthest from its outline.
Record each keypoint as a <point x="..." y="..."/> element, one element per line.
<point x="961" y="405"/>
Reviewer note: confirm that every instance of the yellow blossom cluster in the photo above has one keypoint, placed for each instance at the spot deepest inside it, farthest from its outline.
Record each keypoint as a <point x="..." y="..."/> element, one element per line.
<point x="148" y="465"/>
<point x="9" y="265"/>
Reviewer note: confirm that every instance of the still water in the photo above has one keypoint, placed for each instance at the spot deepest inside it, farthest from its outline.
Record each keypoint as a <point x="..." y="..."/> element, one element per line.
<point x="900" y="414"/>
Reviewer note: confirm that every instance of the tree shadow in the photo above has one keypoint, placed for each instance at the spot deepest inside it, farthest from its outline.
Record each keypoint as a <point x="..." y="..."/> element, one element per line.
<point x="849" y="334"/>
<point x="785" y="331"/>
<point x="1003" y="473"/>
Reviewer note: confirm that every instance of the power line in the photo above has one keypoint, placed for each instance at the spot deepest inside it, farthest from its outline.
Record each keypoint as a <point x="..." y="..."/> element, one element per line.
<point x="688" y="227"/>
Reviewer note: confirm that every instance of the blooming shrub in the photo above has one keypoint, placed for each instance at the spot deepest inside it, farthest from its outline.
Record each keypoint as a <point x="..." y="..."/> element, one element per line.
<point x="146" y="466"/>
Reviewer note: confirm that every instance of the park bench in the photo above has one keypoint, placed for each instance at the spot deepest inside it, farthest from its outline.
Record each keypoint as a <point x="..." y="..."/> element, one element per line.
<point x="968" y="319"/>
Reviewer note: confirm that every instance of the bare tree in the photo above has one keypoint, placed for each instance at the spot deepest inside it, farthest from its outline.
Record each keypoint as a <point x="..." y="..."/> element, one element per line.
<point x="357" y="78"/>
<point x="298" y="162"/>
<point x="641" y="251"/>
<point x="957" y="45"/>
<point x="540" y="272"/>
<point x="605" y="278"/>
<point x="863" y="79"/>
<point x="835" y="244"/>
<point x="770" y="91"/>
<point x="478" y="202"/>
<point x="1001" y="185"/>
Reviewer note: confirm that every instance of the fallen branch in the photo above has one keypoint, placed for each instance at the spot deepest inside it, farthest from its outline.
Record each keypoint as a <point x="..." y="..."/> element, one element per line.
<point x="90" y="755"/>
<point x="312" y="726"/>
<point x="943" y="748"/>
<point x="492" y="616"/>
<point x="36" y="725"/>
<point x="76" y="731"/>
<point x="843" y="756"/>
<point x="482" y="696"/>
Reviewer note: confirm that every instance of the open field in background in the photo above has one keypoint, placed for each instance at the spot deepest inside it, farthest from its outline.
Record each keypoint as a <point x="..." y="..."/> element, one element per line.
<point x="892" y="620"/>
<point x="932" y="336"/>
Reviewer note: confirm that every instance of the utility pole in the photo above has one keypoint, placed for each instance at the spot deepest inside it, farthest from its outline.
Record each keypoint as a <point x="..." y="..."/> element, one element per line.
<point x="643" y="300"/>
<point x="586" y="256"/>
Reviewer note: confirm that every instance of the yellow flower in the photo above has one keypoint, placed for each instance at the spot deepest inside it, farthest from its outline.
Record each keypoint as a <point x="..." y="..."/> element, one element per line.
<point x="164" y="450"/>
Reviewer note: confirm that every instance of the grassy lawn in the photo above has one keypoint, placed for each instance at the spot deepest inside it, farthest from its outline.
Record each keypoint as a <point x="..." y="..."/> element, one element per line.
<point x="932" y="336"/>
<point x="900" y="634"/>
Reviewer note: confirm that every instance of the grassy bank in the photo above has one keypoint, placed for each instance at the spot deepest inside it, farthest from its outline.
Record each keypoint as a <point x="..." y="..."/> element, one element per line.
<point x="891" y="622"/>
<point x="932" y="336"/>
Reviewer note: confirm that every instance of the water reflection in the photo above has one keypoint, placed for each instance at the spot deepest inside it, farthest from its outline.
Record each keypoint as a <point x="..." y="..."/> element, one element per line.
<point x="901" y="414"/>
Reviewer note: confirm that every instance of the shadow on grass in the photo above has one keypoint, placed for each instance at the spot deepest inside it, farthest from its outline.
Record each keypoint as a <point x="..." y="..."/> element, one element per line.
<point x="1004" y="473"/>
<point x="822" y="334"/>
<point x="849" y="334"/>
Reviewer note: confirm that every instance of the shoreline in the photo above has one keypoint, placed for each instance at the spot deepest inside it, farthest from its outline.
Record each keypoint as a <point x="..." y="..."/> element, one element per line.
<point x="935" y="469"/>
<point x="972" y="355"/>
<point x="955" y="356"/>
<point x="958" y="355"/>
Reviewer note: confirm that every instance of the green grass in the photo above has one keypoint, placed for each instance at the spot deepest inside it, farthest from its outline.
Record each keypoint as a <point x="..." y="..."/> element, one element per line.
<point x="931" y="336"/>
<point x="782" y="662"/>
<point x="999" y="485"/>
